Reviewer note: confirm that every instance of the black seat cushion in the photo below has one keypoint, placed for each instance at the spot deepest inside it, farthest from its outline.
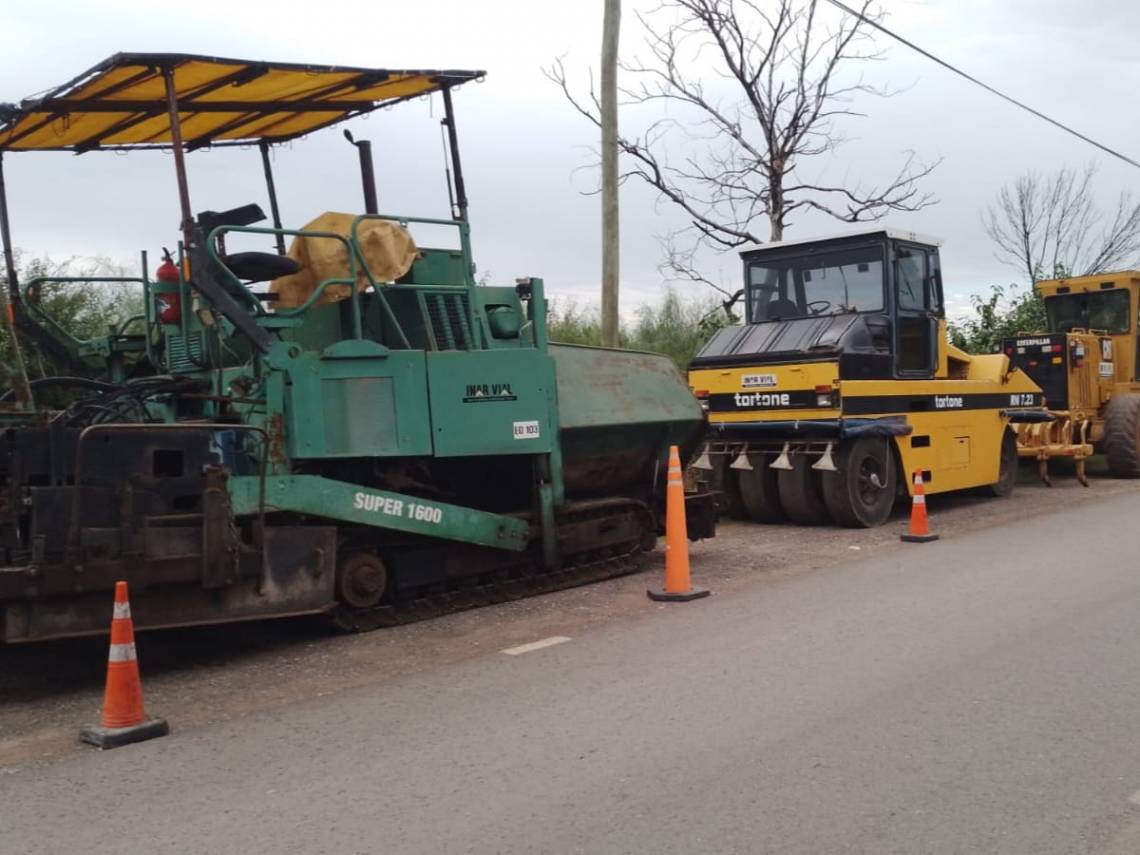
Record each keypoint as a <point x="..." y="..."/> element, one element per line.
<point x="260" y="266"/>
<point x="782" y="309"/>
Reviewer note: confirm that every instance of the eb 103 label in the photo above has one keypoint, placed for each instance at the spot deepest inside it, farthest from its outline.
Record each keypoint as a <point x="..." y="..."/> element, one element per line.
<point x="526" y="430"/>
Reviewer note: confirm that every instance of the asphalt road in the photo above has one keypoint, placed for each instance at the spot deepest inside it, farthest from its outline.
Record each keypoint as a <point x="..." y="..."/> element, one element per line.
<point x="979" y="694"/>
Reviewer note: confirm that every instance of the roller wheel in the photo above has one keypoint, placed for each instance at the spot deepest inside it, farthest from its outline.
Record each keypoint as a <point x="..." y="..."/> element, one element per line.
<point x="1007" y="473"/>
<point x="759" y="491"/>
<point x="361" y="580"/>
<point x="861" y="493"/>
<point x="725" y="479"/>
<point x="1122" y="436"/>
<point x="801" y="493"/>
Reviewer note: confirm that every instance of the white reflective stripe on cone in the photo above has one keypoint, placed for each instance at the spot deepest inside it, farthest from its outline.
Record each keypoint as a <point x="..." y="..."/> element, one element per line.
<point x="122" y="653"/>
<point x="920" y="499"/>
<point x="122" y="610"/>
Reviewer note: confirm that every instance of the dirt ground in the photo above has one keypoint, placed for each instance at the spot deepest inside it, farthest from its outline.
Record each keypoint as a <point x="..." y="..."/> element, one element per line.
<point x="195" y="677"/>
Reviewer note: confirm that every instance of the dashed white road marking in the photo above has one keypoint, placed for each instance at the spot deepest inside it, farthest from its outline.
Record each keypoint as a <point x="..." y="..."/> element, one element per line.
<point x="536" y="645"/>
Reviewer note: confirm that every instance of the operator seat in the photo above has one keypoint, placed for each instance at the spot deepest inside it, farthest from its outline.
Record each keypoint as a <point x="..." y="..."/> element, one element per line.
<point x="782" y="308"/>
<point x="249" y="267"/>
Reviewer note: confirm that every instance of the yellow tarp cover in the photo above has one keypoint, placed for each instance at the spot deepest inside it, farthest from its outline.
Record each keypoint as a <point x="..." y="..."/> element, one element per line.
<point x="387" y="247"/>
<point x="122" y="102"/>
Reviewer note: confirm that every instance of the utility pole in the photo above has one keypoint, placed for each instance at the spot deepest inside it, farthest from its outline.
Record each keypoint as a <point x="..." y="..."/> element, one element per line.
<point x="611" y="25"/>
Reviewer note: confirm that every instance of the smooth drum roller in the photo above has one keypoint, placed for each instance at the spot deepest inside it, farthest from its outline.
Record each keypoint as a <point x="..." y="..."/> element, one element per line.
<point x="862" y="489"/>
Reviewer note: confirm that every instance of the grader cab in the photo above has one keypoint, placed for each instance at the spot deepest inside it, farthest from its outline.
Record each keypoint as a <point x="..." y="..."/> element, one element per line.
<point x="1086" y="364"/>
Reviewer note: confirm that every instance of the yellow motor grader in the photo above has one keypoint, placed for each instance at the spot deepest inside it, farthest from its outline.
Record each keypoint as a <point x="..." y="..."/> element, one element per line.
<point x="1086" y="365"/>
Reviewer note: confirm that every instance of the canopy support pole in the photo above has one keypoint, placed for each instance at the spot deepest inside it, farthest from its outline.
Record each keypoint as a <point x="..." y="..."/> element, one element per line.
<point x="23" y="387"/>
<point x="274" y="211"/>
<point x="453" y="144"/>
<point x="6" y="240"/>
<point x="179" y="157"/>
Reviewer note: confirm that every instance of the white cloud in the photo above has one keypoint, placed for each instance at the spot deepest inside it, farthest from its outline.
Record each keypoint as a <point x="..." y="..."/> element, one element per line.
<point x="527" y="154"/>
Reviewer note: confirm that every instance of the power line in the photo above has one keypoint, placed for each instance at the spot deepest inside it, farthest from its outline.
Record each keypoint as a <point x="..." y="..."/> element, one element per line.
<point x="985" y="86"/>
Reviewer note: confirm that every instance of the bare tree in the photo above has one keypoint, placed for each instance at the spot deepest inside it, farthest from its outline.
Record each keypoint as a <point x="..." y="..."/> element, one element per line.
<point x="1050" y="225"/>
<point x="746" y="91"/>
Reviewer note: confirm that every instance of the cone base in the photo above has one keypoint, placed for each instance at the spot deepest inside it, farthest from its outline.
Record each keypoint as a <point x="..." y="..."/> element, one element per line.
<point x="917" y="538"/>
<point x="661" y="595"/>
<point x="113" y="737"/>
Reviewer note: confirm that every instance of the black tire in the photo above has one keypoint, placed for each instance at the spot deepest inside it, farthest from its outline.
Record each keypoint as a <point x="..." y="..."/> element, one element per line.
<point x="801" y="493"/>
<point x="1007" y="472"/>
<point x="1122" y="436"/>
<point x="760" y="491"/>
<point x="861" y="493"/>
<point x="726" y="480"/>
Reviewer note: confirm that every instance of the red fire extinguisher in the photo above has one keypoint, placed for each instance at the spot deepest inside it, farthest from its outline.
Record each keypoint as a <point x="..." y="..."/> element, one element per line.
<point x="168" y="301"/>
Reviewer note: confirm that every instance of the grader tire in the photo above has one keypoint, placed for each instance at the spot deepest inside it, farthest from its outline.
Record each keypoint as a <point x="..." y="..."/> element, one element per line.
<point x="760" y="491"/>
<point x="1007" y="472"/>
<point x="801" y="493"/>
<point x="1122" y="436"/>
<point x="861" y="492"/>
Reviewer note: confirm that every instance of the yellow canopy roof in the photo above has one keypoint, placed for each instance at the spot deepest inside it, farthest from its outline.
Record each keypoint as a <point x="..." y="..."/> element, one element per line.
<point x="122" y="102"/>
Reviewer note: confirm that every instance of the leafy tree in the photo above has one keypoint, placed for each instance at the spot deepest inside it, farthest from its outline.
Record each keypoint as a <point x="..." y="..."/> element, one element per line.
<point x="84" y="310"/>
<point x="677" y="327"/>
<point x="1005" y="312"/>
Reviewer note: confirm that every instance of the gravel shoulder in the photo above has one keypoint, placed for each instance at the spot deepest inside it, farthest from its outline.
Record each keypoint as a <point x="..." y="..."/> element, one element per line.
<point x="198" y="677"/>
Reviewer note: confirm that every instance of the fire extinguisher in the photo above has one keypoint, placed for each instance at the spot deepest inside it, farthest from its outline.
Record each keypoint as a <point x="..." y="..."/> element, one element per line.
<point x="168" y="298"/>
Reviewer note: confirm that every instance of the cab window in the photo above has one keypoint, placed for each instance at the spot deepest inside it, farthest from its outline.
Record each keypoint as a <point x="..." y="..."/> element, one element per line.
<point x="918" y="280"/>
<point x="827" y="283"/>
<point x="1099" y="310"/>
<point x="911" y="280"/>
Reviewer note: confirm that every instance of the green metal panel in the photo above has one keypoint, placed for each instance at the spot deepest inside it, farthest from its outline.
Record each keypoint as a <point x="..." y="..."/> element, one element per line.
<point x="357" y="406"/>
<point x="620" y="411"/>
<point x="331" y="499"/>
<point x="492" y="402"/>
<point x="322" y="326"/>
<point x="437" y="267"/>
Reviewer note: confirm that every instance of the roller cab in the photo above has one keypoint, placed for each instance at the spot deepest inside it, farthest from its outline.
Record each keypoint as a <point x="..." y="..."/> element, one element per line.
<point x="842" y="383"/>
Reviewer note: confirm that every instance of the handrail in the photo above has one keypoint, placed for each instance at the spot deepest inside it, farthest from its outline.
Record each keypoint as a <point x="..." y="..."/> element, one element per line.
<point x="357" y="322"/>
<point x="358" y="263"/>
<point x="34" y="307"/>
<point x="464" y="249"/>
<point x="123" y="326"/>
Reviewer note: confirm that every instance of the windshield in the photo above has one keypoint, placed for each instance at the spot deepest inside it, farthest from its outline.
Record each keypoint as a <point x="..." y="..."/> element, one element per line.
<point x="1100" y="310"/>
<point x="849" y="280"/>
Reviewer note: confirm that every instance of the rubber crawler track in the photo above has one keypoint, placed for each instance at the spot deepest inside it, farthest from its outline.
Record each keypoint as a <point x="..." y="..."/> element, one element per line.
<point x="527" y="579"/>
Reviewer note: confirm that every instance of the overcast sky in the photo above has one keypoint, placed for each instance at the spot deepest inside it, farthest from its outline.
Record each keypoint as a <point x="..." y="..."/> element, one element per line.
<point x="527" y="155"/>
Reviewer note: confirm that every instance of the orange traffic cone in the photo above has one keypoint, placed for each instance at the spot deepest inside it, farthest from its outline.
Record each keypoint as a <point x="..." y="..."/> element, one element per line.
<point x="919" y="526"/>
<point x="678" y="585"/>
<point x="123" y="718"/>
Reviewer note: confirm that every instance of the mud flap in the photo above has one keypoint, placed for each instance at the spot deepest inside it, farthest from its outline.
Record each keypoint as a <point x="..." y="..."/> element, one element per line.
<point x="701" y="512"/>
